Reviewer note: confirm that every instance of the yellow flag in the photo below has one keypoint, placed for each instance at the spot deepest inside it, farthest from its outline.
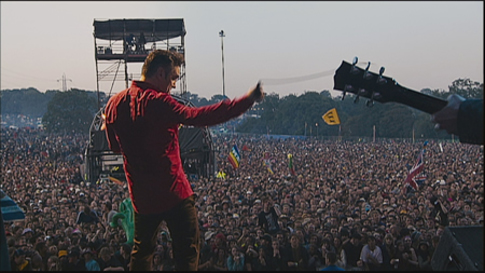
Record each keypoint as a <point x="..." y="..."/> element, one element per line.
<point x="331" y="117"/>
<point x="221" y="174"/>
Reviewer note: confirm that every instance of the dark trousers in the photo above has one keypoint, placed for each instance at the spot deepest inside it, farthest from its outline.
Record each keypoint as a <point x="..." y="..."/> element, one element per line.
<point x="184" y="230"/>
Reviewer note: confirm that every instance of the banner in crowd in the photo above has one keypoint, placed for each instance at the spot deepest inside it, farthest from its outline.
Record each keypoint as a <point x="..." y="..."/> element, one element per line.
<point x="267" y="162"/>
<point x="234" y="157"/>
<point x="290" y="165"/>
<point x="331" y="117"/>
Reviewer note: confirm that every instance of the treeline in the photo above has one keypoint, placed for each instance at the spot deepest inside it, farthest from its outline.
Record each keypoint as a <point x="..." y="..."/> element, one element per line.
<point x="302" y="115"/>
<point x="33" y="103"/>
<point x="62" y="112"/>
<point x="74" y="110"/>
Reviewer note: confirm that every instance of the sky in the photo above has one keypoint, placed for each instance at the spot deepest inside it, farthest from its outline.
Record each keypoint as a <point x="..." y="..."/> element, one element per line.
<point x="421" y="44"/>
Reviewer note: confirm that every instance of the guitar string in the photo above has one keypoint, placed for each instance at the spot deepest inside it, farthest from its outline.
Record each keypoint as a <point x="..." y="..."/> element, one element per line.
<point x="301" y="78"/>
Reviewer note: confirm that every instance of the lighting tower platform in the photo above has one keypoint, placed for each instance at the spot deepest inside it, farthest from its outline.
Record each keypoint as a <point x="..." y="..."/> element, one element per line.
<point x="121" y="42"/>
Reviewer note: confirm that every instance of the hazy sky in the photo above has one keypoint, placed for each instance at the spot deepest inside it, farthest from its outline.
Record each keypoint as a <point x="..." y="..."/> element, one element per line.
<point x="421" y="44"/>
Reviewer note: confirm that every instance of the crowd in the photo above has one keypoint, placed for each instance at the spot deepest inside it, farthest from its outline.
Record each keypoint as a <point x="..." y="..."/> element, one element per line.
<point x="346" y="206"/>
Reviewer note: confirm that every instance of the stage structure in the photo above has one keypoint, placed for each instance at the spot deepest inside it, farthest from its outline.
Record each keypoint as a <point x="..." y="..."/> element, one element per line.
<point x="120" y="44"/>
<point x="197" y="153"/>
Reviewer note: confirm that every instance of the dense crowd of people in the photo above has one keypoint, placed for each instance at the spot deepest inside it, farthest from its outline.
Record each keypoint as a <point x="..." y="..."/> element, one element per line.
<point x="346" y="207"/>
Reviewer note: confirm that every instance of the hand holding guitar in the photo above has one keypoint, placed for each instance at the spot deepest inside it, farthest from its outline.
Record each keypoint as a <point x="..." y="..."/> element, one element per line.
<point x="447" y="118"/>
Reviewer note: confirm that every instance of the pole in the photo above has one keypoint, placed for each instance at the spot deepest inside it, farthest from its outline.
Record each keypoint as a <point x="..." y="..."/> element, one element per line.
<point x="97" y="71"/>
<point x="374" y="133"/>
<point x="340" y="132"/>
<point x="221" y="34"/>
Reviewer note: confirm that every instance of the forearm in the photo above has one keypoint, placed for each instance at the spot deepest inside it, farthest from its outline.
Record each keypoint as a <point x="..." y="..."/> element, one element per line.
<point x="217" y="113"/>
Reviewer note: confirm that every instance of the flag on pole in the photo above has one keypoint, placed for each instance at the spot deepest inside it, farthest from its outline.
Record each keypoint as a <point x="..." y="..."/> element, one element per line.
<point x="234" y="157"/>
<point x="412" y="179"/>
<point x="331" y="117"/>
<point x="267" y="162"/>
<point x="268" y="167"/>
<point x="290" y="165"/>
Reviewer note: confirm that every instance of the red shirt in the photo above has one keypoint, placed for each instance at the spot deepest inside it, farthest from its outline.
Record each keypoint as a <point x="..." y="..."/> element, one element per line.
<point x="143" y="124"/>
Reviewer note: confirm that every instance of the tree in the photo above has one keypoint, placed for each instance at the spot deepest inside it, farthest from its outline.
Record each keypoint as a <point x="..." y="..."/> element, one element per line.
<point x="29" y="102"/>
<point x="467" y="89"/>
<point x="435" y="93"/>
<point x="71" y="111"/>
<point x="217" y="98"/>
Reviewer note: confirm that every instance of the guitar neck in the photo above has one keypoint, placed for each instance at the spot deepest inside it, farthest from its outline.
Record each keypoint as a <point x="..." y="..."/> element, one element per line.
<point x="420" y="101"/>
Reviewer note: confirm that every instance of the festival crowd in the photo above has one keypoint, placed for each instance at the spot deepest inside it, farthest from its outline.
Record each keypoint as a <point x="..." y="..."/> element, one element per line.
<point x="346" y="205"/>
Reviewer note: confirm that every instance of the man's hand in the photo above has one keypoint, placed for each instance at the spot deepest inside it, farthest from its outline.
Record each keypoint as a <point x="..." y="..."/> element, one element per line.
<point x="256" y="93"/>
<point x="447" y="118"/>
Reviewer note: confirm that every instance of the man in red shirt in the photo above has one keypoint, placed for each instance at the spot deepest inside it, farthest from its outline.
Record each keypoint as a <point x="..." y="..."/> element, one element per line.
<point x="142" y="123"/>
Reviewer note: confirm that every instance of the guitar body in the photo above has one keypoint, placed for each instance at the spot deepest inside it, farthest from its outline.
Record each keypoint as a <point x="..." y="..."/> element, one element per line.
<point x="363" y="83"/>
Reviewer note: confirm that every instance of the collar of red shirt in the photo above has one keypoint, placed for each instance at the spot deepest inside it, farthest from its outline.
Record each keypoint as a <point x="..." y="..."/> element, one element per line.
<point x="145" y="85"/>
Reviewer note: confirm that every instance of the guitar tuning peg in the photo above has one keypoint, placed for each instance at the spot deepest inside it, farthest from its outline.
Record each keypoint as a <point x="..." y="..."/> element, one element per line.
<point x="356" y="100"/>
<point x="354" y="70"/>
<point x="355" y="60"/>
<point x="380" y="79"/>
<point x="370" y="102"/>
<point x="362" y="91"/>
<point x="381" y="71"/>
<point x="348" y="87"/>
<point x="367" y="75"/>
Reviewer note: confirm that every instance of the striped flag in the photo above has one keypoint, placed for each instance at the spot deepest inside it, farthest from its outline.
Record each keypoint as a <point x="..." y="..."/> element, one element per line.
<point x="115" y="180"/>
<point x="412" y="179"/>
<point x="234" y="157"/>
<point x="290" y="165"/>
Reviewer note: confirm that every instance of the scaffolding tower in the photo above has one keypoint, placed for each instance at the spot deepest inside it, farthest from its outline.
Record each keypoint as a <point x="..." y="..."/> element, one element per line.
<point x="121" y="42"/>
<point x="118" y="43"/>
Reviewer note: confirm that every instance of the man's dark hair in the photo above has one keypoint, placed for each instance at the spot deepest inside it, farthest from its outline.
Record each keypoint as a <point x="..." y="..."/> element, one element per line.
<point x="371" y="238"/>
<point x="161" y="58"/>
<point x="331" y="257"/>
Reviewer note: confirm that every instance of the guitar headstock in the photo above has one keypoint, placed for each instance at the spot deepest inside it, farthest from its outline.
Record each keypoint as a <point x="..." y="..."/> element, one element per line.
<point x="376" y="87"/>
<point x="364" y="83"/>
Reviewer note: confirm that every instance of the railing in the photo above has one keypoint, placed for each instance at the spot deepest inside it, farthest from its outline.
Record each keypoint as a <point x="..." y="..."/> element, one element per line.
<point x="116" y="48"/>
